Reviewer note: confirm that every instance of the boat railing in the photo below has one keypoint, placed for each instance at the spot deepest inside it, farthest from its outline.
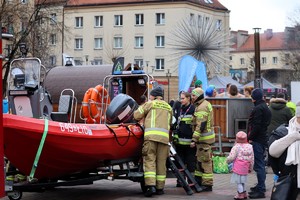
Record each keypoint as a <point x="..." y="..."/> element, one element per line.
<point x="67" y="105"/>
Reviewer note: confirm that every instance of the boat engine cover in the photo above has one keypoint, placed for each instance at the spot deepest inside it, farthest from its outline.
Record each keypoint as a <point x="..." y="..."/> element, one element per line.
<point x="120" y="109"/>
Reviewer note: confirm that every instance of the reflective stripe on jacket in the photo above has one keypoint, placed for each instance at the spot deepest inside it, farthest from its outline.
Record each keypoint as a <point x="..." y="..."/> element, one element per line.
<point x="203" y="123"/>
<point x="158" y="118"/>
<point x="184" y="131"/>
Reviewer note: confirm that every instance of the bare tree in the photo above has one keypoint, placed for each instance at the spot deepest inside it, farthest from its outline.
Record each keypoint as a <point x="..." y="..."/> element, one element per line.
<point x="113" y="53"/>
<point x="32" y="30"/>
<point x="291" y="56"/>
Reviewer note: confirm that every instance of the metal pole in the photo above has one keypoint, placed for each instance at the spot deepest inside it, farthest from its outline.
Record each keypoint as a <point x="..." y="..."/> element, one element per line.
<point x="257" y="80"/>
<point x="168" y="74"/>
<point x="2" y="190"/>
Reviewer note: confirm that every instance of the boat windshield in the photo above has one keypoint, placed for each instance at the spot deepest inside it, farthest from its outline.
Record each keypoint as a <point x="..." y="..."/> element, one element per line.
<point x="24" y="73"/>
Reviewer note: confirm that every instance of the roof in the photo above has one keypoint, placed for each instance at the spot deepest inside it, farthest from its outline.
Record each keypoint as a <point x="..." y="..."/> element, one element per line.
<point x="214" y="5"/>
<point x="268" y="41"/>
<point x="265" y="83"/>
<point x="220" y="82"/>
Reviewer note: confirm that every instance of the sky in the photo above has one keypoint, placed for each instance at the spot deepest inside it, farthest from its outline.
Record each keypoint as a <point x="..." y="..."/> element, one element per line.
<point x="264" y="14"/>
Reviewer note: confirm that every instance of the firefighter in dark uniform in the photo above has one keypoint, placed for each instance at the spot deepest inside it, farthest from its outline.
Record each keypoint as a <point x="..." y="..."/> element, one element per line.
<point x="183" y="133"/>
<point x="203" y="138"/>
<point x="157" y="115"/>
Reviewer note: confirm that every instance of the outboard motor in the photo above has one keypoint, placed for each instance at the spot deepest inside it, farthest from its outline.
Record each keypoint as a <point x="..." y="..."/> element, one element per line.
<point x="120" y="109"/>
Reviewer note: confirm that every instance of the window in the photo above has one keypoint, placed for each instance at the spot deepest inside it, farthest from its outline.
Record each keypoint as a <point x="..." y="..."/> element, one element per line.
<point x="199" y="20"/>
<point x="97" y="61"/>
<point x="160" y="41"/>
<point x="192" y="19"/>
<point x="139" y="42"/>
<point x="139" y="19"/>
<point x="23" y="26"/>
<point x="242" y="60"/>
<point x="98" y="43"/>
<point x="230" y="57"/>
<point x="78" y="43"/>
<point x="78" y="61"/>
<point x="118" y="20"/>
<point x="78" y="22"/>
<point x="264" y="60"/>
<point x="160" y="64"/>
<point x="275" y="60"/>
<point x="118" y="42"/>
<point x="53" y="18"/>
<point x="53" y="39"/>
<point x="160" y="18"/>
<point x="52" y="60"/>
<point x="287" y="58"/>
<point x="139" y="62"/>
<point x="218" y="24"/>
<point x="98" y="21"/>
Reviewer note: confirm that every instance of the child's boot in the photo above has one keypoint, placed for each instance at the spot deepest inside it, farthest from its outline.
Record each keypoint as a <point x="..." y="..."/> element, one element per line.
<point x="245" y="195"/>
<point x="239" y="196"/>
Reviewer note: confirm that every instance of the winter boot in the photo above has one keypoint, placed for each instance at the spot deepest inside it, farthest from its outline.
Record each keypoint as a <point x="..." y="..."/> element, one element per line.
<point x="150" y="191"/>
<point x="239" y="196"/>
<point x="245" y="194"/>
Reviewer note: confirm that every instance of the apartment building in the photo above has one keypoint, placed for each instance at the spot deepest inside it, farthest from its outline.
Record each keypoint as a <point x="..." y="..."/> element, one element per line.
<point x="140" y="31"/>
<point x="273" y="51"/>
<point x="93" y="32"/>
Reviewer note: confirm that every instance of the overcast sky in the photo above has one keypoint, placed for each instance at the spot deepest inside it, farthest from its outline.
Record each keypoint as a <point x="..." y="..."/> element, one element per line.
<point x="264" y="14"/>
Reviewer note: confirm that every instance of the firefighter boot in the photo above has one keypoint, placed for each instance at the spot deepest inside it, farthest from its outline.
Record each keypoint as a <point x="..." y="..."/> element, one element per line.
<point x="150" y="191"/>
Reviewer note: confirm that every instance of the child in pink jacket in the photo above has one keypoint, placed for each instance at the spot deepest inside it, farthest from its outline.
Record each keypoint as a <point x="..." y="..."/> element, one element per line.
<point x="242" y="157"/>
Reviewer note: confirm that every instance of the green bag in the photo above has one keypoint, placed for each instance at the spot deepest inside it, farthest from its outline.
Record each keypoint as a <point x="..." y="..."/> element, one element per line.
<point x="220" y="165"/>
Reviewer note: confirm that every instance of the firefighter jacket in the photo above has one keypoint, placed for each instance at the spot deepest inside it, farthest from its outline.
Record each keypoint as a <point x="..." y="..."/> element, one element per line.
<point x="203" y="123"/>
<point x="184" y="132"/>
<point x="158" y="119"/>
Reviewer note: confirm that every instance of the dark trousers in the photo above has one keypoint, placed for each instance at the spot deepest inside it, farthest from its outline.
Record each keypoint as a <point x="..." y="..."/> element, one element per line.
<point x="259" y="165"/>
<point x="188" y="156"/>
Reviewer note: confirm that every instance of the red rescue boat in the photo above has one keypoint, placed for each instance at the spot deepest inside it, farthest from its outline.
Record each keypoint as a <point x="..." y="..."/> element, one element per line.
<point x="69" y="147"/>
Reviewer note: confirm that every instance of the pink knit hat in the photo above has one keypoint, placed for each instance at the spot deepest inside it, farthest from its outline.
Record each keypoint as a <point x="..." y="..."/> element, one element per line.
<point x="241" y="137"/>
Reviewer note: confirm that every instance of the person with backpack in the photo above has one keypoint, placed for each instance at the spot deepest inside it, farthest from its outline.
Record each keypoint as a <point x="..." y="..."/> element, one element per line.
<point x="287" y="152"/>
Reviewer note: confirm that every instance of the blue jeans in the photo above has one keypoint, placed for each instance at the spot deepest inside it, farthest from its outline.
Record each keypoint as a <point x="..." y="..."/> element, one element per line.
<point x="259" y="165"/>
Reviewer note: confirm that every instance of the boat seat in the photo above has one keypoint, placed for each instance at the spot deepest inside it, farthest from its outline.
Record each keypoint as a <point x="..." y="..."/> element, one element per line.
<point x="64" y="109"/>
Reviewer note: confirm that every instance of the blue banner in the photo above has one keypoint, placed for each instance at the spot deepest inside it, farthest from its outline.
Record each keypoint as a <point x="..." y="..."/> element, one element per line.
<point x="188" y="68"/>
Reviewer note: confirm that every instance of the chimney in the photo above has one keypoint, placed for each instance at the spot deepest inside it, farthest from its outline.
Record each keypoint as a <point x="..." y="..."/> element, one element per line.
<point x="269" y="34"/>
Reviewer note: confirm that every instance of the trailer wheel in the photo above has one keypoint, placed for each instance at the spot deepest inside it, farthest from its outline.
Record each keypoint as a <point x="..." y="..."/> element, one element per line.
<point x="15" y="195"/>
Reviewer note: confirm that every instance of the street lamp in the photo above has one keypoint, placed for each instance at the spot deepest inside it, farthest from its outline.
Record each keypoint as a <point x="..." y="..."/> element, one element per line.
<point x="168" y="75"/>
<point x="257" y="81"/>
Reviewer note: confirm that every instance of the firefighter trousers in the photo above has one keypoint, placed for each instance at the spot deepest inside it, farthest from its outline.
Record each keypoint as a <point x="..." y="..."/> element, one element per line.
<point x="204" y="166"/>
<point x="155" y="155"/>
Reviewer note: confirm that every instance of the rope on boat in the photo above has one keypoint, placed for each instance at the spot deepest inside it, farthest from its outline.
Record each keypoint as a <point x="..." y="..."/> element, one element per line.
<point x="128" y="129"/>
<point x="115" y="135"/>
<point x="39" y="151"/>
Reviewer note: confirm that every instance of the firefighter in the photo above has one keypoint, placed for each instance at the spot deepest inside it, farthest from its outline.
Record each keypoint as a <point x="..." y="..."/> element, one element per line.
<point x="183" y="133"/>
<point x="157" y="115"/>
<point x="203" y="138"/>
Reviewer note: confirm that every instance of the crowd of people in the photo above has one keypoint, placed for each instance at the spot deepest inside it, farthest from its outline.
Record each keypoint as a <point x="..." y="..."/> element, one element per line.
<point x="193" y="135"/>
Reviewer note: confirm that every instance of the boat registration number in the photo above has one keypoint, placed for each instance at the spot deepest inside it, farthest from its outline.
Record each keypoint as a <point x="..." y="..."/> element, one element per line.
<point x="74" y="128"/>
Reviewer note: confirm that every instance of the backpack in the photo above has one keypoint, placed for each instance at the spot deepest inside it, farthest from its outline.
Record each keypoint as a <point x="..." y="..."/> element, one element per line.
<point x="278" y="164"/>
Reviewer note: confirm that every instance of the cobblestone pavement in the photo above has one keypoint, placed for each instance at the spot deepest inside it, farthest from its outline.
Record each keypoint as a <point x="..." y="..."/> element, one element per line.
<point x="125" y="189"/>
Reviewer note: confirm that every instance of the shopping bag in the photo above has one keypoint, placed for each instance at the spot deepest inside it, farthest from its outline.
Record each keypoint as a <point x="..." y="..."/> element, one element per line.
<point x="282" y="188"/>
<point x="220" y="165"/>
